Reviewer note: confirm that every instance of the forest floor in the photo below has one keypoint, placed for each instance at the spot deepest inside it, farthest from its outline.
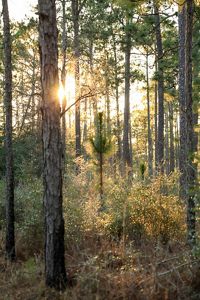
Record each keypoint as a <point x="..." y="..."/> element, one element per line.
<point x="102" y="269"/>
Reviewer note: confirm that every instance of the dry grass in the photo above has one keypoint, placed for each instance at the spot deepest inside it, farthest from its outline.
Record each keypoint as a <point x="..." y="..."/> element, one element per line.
<point x="106" y="270"/>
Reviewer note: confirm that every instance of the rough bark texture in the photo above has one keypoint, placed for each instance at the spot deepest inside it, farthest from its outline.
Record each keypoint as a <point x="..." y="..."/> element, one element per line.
<point x="10" y="216"/>
<point x="159" y="46"/>
<point x="126" y="130"/>
<point x="55" y="274"/>
<point x="191" y="174"/>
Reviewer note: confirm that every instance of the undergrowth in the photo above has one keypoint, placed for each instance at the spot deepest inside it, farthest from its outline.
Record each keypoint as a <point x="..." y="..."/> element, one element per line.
<point x="134" y="249"/>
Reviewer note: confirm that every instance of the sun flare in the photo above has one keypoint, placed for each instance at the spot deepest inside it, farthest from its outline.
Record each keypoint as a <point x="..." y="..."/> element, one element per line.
<point x="61" y="93"/>
<point x="68" y="90"/>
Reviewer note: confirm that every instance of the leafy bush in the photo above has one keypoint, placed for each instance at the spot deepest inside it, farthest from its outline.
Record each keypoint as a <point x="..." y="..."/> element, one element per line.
<point x="27" y="150"/>
<point x="28" y="212"/>
<point x="152" y="210"/>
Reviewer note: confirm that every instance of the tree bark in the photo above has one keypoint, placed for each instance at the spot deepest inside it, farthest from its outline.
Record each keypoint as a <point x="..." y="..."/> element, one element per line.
<point x="191" y="172"/>
<point x="159" y="46"/>
<point x="55" y="273"/>
<point x="127" y="120"/>
<point x="10" y="215"/>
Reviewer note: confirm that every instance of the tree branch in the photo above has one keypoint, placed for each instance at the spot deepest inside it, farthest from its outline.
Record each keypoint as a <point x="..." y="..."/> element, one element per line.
<point x="78" y="100"/>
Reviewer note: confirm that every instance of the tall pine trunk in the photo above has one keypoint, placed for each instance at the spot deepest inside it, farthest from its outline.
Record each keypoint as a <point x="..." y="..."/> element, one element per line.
<point x="118" y="130"/>
<point x="63" y="79"/>
<point x="182" y="106"/>
<point x="55" y="273"/>
<point x="171" y="130"/>
<point x="159" y="47"/>
<point x="167" y="161"/>
<point x="76" y="46"/>
<point x="191" y="171"/>
<point x="127" y="121"/>
<point x="10" y="215"/>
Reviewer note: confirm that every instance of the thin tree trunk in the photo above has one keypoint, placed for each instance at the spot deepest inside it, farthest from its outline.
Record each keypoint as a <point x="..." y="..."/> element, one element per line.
<point x="55" y="273"/>
<point x="33" y="102"/>
<point x="182" y="106"/>
<point x="167" y="163"/>
<point x="177" y="144"/>
<point x="127" y="120"/>
<point x="171" y="125"/>
<point x="131" y="149"/>
<point x="28" y="105"/>
<point x="107" y="95"/>
<point x="76" y="45"/>
<point x="156" y="125"/>
<point x="108" y="109"/>
<point x="150" y="145"/>
<point x="85" y="128"/>
<point x="10" y="215"/>
<point x="63" y="79"/>
<point x="160" y="140"/>
<point x="118" y="131"/>
<point x="101" y="175"/>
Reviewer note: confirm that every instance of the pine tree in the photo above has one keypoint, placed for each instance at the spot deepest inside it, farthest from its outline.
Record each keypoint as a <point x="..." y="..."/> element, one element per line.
<point x="10" y="215"/>
<point x="101" y="145"/>
<point x="55" y="273"/>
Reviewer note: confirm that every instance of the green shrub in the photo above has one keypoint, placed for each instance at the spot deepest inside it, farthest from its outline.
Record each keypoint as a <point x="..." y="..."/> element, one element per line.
<point x="152" y="210"/>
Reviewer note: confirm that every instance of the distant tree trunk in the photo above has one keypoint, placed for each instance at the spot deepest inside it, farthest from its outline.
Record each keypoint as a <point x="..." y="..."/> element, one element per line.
<point x="171" y="129"/>
<point x="108" y="109"/>
<point x="63" y="79"/>
<point x="167" y="165"/>
<point x="177" y="144"/>
<point x="150" y="145"/>
<point x="93" y="102"/>
<point x="107" y="82"/>
<point x="131" y="149"/>
<point x="28" y="105"/>
<point x="191" y="172"/>
<point x="118" y="131"/>
<point x="10" y="215"/>
<point x="76" y="45"/>
<point x="101" y="175"/>
<point x="156" y="124"/>
<point x="33" y="102"/>
<point x="17" y="113"/>
<point x="127" y="120"/>
<point x="85" y="128"/>
<point x="159" y="46"/>
<point x="182" y="106"/>
<point x="55" y="273"/>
